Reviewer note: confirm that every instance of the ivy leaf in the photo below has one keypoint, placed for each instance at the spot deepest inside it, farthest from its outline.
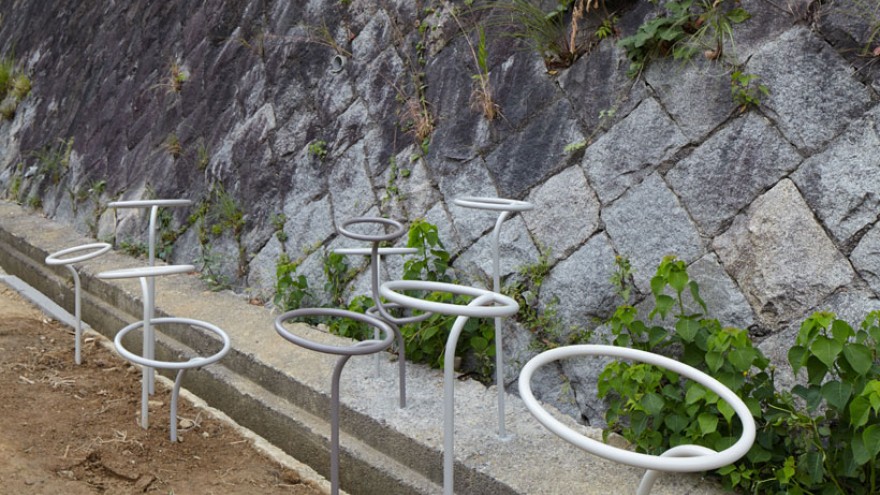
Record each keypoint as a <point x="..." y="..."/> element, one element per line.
<point x="871" y="437"/>
<point x="694" y="393"/>
<point x="726" y="410"/>
<point x="663" y="305"/>
<point x="695" y="293"/>
<point x="841" y="331"/>
<point x="797" y="357"/>
<point x="859" y="411"/>
<point x="479" y="343"/>
<point x="861" y="455"/>
<point x="859" y="357"/>
<point x="811" y="463"/>
<point x="741" y="359"/>
<point x="676" y="422"/>
<point x="658" y="283"/>
<point x="826" y="349"/>
<point x="687" y="328"/>
<point x="678" y="279"/>
<point x="837" y="393"/>
<point x="656" y="335"/>
<point x="708" y="423"/>
<point x="714" y="360"/>
<point x="652" y="403"/>
<point x="812" y="395"/>
<point x="738" y="15"/>
<point x="816" y="370"/>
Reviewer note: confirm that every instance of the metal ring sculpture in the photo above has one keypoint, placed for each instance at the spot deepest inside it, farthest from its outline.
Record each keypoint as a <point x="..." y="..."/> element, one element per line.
<point x="486" y="304"/>
<point x="681" y="459"/>
<point x="153" y="205"/>
<point x="505" y="207"/>
<point x="146" y="275"/>
<point x="196" y="362"/>
<point x="58" y="258"/>
<point x="344" y="353"/>
<point x="380" y="310"/>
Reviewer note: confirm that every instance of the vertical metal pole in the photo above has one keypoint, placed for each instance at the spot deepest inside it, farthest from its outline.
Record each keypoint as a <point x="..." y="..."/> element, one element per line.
<point x="175" y="393"/>
<point x="76" y="309"/>
<point x="334" y="425"/>
<point x="145" y="387"/>
<point x="401" y="357"/>
<point x="150" y="345"/>
<point x="499" y="349"/>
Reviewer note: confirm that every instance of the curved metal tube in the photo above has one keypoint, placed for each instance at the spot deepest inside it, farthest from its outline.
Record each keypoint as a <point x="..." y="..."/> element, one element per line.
<point x="703" y="461"/>
<point x="146" y="275"/>
<point x="378" y="310"/>
<point x="486" y="304"/>
<point x="93" y="250"/>
<point x="686" y="450"/>
<point x="153" y="205"/>
<point x="344" y="353"/>
<point x="505" y="207"/>
<point x="150" y="362"/>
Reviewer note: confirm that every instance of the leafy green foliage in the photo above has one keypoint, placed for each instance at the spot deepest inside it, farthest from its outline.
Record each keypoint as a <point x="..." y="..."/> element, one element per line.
<point x="745" y="91"/>
<point x="820" y="437"/>
<point x="291" y="290"/>
<point x="683" y="30"/>
<point x="318" y="149"/>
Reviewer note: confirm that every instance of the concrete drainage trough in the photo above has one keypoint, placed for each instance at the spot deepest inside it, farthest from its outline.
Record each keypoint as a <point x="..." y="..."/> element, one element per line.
<point x="281" y="392"/>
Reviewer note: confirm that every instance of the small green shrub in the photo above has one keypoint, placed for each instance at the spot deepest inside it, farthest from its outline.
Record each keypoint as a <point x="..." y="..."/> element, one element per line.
<point x="21" y="86"/>
<point x="745" y="91"/>
<point x="318" y="149"/>
<point x="291" y="290"/>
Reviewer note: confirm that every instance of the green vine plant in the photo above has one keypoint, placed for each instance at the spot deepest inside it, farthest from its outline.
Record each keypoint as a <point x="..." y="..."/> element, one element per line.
<point x="820" y="437"/>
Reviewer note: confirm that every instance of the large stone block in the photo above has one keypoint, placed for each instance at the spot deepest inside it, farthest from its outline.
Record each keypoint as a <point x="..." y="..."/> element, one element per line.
<point x="841" y="184"/>
<point x="515" y="248"/>
<point x="648" y="223"/>
<point x="597" y="86"/>
<point x="781" y="258"/>
<point x="866" y="258"/>
<point x="813" y="94"/>
<point x="459" y="179"/>
<point x="582" y="283"/>
<point x="349" y="184"/>
<point x="566" y="212"/>
<point x="528" y="157"/>
<point x="730" y="169"/>
<point x="632" y="150"/>
<point x="696" y="94"/>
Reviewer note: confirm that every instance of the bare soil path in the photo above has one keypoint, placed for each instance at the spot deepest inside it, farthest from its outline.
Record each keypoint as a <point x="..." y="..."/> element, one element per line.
<point x="73" y="429"/>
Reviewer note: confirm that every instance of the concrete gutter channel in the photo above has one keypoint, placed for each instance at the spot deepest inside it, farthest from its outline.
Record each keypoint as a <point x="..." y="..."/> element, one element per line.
<point x="281" y="392"/>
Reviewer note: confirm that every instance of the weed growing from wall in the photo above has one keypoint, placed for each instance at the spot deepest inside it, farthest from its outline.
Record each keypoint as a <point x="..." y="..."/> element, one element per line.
<point x="685" y="28"/>
<point x="15" y="86"/>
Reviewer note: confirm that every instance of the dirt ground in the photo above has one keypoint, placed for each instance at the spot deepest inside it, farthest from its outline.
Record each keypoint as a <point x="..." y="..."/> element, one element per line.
<point x="73" y="429"/>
